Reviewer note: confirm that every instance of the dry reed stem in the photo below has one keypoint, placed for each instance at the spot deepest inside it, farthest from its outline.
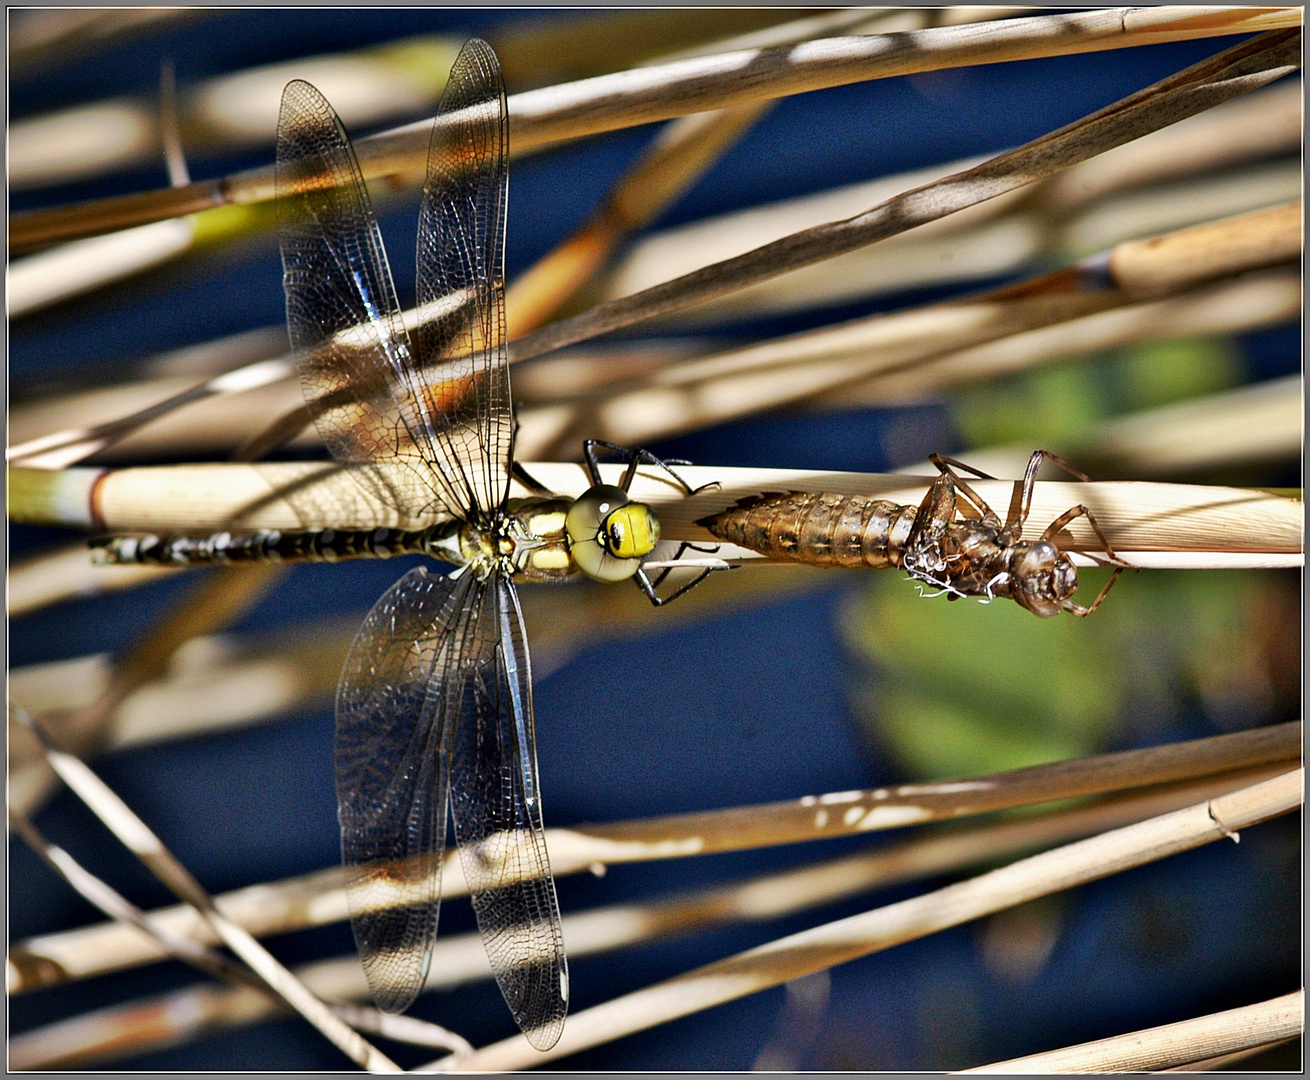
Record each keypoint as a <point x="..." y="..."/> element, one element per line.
<point x="1214" y="1064"/>
<point x="989" y="239"/>
<point x="319" y="898"/>
<point x="626" y="99"/>
<point x="1200" y="87"/>
<point x="459" y="959"/>
<point x="137" y="837"/>
<point x="1228" y="307"/>
<point x="922" y="345"/>
<point x="212" y="603"/>
<point x="1171" y="1045"/>
<point x="687" y="147"/>
<point x="847" y="939"/>
<point x="1135" y="516"/>
<point x="1252" y="424"/>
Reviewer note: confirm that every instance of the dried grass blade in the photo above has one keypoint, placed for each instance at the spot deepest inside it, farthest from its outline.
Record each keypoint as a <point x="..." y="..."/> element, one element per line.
<point x="458" y="959"/>
<point x="318" y="899"/>
<point x="61" y="449"/>
<point x="847" y="939"/>
<point x="220" y="597"/>
<point x="1229" y="74"/>
<point x="1227" y="307"/>
<point x="137" y="837"/>
<point x="113" y="904"/>
<point x="1171" y="1045"/>
<point x="625" y="99"/>
<point x="920" y="346"/>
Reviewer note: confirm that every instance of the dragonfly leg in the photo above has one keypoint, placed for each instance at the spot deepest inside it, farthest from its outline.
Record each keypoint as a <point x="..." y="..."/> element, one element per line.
<point x="944" y="466"/>
<point x="636" y="458"/>
<point x="648" y="588"/>
<point x="529" y="481"/>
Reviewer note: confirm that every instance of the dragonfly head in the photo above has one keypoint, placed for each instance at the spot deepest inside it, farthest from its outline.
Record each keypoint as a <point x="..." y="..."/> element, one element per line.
<point x="1043" y="578"/>
<point x="609" y="534"/>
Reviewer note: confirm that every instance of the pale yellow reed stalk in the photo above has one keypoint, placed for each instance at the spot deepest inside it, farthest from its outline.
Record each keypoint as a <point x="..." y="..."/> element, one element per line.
<point x="824" y="946"/>
<point x="607" y="103"/>
<point x="1172" y="1045"/>
<point x="320" y="898"/>
<point x="137" y="1026"/>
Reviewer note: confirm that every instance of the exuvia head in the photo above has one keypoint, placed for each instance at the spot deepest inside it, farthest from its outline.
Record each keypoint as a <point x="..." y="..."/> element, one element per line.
<point x="1042" y="578"/>
<point x="609" y="534"/>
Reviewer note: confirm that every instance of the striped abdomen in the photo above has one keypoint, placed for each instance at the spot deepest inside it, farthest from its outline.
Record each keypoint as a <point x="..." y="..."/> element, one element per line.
<point x="822" y="529"/>
<point x="266" y="545"/>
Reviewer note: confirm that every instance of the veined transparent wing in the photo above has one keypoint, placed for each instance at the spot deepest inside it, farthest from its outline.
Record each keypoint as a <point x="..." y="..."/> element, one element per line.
<point x="357" y="365"/>
<point x="496" y="805"/>
<point x="461" y="278"/>
<point x="436" y="697"/>
<point x="392" y="770"/>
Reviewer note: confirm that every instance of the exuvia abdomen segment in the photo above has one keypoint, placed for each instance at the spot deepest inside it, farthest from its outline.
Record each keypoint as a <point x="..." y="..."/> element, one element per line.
<point x="818" y="528"/>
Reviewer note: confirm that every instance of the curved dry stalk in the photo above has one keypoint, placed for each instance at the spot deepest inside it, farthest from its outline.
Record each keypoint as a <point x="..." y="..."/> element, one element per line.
<point x="44" y="38"/>
<point x="459" y="959"/>
<point x="320" y="898"/>
<point x="137" y="837"/>
<point x="1202" y="86"/>
<point x="848" y="939"/>
<point x="65" y="574"/>
<point x="626" y="99"/>
<point x="212" y="684"/>
<point x="1171" y="1045"/>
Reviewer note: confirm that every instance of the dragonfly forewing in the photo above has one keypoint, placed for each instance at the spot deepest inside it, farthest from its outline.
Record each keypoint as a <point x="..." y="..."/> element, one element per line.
<point x="392" y="772"/>
<point x="496" y="806"/>
<point x="461" y="281"/>
<point x="355" y="356"/>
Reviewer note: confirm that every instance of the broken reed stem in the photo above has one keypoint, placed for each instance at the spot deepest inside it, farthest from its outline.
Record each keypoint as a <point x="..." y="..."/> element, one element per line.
<point x="137" y="837"/>
<point x="135" y="1027"/>
<point x="848" y="939"/>
<point x="1135" y="516"/>
<point x="320" y="898"/>
<point x="625" y="99"/>
<point x="1202" y="86"/>
<point x="1171" y="1045"/>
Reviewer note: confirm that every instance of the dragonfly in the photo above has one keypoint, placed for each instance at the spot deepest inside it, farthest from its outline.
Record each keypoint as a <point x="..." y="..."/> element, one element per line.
<point x="434" y="714"/>
<point x="982" y="557"/>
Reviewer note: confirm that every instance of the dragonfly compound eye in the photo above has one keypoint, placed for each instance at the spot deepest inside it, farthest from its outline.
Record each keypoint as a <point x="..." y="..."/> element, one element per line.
<point x="609" y="534"/>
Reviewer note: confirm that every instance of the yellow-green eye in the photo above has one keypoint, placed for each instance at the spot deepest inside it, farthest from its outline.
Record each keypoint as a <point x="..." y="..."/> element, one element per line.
<point x="632" y="531"/>
<point x="609" y="534"/>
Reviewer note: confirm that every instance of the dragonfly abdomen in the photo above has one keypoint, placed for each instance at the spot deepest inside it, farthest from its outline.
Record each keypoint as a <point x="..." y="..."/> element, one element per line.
<point x="822" y="529"/>
<point x="265" y="545"/>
